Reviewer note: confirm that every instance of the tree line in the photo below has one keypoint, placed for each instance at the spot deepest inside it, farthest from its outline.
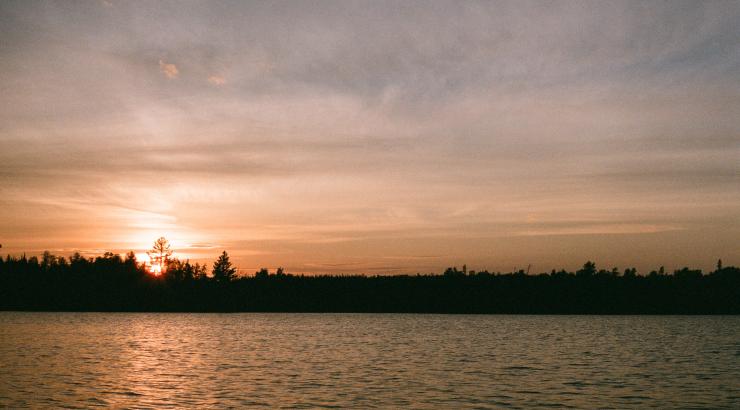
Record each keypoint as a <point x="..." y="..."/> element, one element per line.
<point x="112" y="282"/>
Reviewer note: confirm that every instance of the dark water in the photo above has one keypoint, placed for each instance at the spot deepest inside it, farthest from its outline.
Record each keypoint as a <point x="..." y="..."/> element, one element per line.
<point x="356" y="360"/>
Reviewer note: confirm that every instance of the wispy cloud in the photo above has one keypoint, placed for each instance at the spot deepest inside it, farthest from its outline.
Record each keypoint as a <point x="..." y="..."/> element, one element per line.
<point x="169" y="70"/>
<point x="596" y="229"/>
<point x="203" y="245"/>
<point x="216" y="80"/>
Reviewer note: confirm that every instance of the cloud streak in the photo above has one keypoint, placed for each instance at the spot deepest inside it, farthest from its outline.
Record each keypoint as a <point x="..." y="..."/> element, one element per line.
<point x="216" y="80"/>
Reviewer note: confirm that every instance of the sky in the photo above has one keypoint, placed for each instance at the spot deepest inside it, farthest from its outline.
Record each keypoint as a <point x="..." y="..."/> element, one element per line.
<point x="377" y="137"/>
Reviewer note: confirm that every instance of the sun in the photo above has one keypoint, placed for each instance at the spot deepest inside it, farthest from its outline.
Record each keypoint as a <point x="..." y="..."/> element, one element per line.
<point x="150" y="265"/>
<point x="158" y="257"/>
<point x="155" y="269"/>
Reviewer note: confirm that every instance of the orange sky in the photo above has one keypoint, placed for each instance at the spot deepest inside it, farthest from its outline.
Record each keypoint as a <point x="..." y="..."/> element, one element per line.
<point x="374" y="137"/>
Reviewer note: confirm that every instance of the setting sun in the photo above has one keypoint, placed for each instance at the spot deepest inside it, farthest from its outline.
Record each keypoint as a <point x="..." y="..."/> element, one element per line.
<point x="155" y="269"/>
<point x="159" y="256"/>
<point x="151" y="265"/>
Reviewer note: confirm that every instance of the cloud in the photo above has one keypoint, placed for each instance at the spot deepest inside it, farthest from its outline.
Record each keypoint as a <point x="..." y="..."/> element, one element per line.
<point x="216" y="80"/>
<point x="602" y="229"/>
<point x="170" y="70"/>
<point x="203" y="245"/>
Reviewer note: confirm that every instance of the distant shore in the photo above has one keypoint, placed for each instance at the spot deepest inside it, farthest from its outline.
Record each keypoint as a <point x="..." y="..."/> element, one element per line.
<point x="114" y="283"/>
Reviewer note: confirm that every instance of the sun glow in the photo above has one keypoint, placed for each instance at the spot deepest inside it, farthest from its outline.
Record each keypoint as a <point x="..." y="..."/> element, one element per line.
<point x="151" y="265"/>
<point x="155" y="269"/>
<point x="159" y="255"/>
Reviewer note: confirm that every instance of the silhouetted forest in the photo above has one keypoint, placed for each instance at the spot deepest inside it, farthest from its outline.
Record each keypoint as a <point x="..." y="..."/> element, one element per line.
<point x="114" y="283"/>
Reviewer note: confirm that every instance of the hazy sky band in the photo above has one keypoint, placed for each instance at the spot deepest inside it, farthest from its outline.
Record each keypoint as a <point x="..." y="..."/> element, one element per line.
<point x="374" y="136"/>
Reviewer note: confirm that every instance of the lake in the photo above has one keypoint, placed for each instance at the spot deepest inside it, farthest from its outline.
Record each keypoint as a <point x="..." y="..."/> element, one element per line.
<point x="160" y="360"/>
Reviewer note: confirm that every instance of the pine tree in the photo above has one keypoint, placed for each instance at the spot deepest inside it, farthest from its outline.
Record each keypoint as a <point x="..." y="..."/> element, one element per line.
<point x="222" y="269"/>
<point x="160" y="255"/>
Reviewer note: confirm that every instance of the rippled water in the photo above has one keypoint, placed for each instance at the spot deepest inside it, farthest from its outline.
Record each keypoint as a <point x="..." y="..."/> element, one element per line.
<point x="364" y="360"/>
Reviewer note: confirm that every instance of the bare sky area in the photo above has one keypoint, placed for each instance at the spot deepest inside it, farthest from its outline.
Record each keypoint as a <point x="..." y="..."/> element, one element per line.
<point x="375" y="137"/>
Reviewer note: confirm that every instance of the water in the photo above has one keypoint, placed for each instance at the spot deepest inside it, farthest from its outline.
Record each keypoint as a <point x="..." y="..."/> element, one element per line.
<point x="366" y="360"/>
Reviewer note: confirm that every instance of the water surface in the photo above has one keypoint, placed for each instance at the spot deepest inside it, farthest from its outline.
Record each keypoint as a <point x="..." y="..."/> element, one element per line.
<point x="164" y="360"/>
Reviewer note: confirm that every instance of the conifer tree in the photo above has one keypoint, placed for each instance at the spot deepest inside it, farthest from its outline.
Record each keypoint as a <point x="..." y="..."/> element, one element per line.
<point x="222" y="269"/>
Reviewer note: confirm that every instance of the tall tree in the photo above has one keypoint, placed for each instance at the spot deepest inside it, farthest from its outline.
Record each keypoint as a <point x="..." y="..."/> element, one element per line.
<point x="223" y="271"/>
<point x="160" y="254"/>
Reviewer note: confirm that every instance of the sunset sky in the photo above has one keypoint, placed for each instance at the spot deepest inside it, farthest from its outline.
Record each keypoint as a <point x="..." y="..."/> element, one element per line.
<point x="374" y="137"/>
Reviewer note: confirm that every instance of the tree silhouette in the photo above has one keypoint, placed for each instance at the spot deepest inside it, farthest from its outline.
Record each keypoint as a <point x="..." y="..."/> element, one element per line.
<point x="262" y="273"/>
<point x="160" y="253"/>
<point x="179" y="271"/>
<point x="130" y="259"/>
<point x="222" y="269"/>
<point x="589" y="269"/>
<point x="113" y="282"/>
<point x="630" y="273"/>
